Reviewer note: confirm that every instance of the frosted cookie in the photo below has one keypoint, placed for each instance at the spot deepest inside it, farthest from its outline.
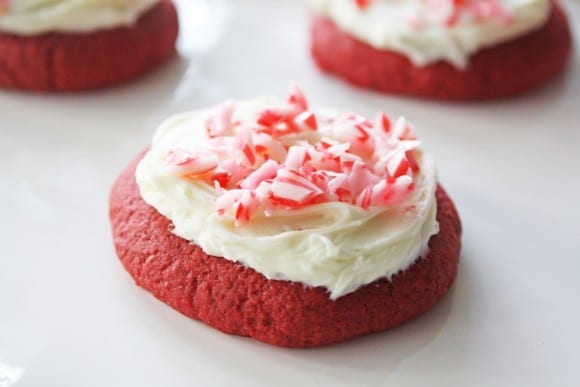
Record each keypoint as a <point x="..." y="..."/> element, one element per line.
<point x="298" y="227"/>
<point x="74" y="45"/>
<point x="441" y="49"/>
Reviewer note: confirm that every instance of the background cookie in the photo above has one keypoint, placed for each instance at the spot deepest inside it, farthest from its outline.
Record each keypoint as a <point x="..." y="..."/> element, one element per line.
<point x="82" y="61"/>
<point x="508" y="69"/>
<point x="238" y="300"/>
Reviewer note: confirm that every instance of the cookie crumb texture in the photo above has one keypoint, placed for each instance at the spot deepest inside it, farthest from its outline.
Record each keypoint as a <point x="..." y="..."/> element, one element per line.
<point x="505" y="70"/>
<point x="238" y="300"/>
<point x="84" y="61"/>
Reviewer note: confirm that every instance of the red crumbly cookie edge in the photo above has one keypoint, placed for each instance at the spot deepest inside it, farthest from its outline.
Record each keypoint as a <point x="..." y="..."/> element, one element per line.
<point x="508" y="69"/>
<point x="238" y="300"/>
<point x="84" y="61"/>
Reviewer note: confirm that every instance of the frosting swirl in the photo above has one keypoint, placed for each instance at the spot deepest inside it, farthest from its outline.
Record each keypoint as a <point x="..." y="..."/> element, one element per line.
<point x="318" y="197"/>
<point x="426" y="31"/>
<point x="30" y="17"/>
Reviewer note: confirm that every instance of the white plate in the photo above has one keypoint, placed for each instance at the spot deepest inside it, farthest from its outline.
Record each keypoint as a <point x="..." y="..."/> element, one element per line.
<point x="71" y="316"/>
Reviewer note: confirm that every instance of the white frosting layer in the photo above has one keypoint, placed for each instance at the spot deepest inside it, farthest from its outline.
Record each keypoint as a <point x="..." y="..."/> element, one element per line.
<point x="412" y="28"/>
<point x="30" y="17"/>
<point x="335" y="245"/>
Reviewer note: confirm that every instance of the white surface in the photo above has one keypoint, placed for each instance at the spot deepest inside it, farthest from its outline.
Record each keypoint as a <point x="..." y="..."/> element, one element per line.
<point x="71" y="316"/>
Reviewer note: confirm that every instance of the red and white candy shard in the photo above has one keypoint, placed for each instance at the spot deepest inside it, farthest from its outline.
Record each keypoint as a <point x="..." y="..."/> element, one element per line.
<point x="288" y="157"/>
<point x="449" y="12"/>
<point x="220" y="123"/>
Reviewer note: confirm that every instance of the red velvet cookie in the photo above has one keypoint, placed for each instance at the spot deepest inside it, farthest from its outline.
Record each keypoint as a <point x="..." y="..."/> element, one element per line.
<point x="505" y="70"/>
<point x="83" y="61"/>
<point x="238" y="300"/>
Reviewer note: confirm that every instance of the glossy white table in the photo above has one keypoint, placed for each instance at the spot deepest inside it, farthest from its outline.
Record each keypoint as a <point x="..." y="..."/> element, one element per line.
<point x="71" y="316"/>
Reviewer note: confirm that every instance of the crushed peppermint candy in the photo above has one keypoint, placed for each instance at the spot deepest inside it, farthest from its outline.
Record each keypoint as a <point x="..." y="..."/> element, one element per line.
<point x="449" y="12"/>
<point x="289" y="157"/>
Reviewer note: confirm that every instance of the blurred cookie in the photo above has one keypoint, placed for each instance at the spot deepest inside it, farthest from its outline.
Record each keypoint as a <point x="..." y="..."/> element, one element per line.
<point x="459" y="51"/>
<point x="77" y="46"/>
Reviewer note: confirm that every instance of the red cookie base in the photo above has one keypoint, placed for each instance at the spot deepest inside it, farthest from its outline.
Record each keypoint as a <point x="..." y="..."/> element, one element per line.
<point x="505" y="70"/>
<point x="238" y="300"/>
<point x="84" y="61"/>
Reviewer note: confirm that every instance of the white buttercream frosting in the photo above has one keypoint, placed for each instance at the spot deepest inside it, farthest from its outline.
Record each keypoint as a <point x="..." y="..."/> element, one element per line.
<point x="335" y="245"/>
<point x="421" y="29"/>
<point x="30" y="17"/>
